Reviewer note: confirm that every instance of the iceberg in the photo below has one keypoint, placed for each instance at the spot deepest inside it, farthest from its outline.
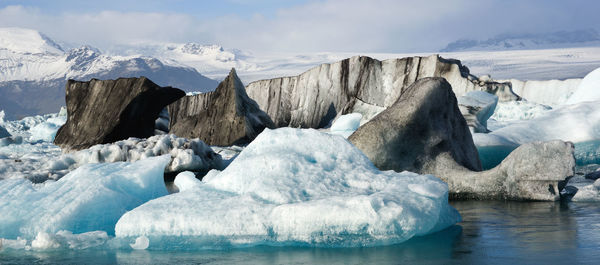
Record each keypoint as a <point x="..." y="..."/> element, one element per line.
<point x="40" y="161"/>
<point x="91" y="198"/>
<point x="588" y="89"/>
<point x="24" y="126"/>
<point x="477" y="107"/>
<point x="577" y="123"/>
<point x="345" y="125"/>
<point x="187" y="154"/>
<point x="46" y="131"/>
<point x="547" y="92"/>
<point x="586" y="190"/>
<point x="3" y="131"/>
<point x="518" y="110"/>
<point x="293" y="187"/>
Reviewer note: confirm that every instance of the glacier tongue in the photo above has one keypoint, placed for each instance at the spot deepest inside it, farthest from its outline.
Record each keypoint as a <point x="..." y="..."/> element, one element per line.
<point x="294" y="187"/>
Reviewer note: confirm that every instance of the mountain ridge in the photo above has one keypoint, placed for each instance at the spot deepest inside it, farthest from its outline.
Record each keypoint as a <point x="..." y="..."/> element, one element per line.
<point x="557" y="39"/>
<point x="33" y="76"/>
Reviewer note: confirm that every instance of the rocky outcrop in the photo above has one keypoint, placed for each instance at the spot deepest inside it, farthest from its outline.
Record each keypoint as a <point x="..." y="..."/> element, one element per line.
<point x="105" y="111"/>
<point x="424" y="132"/>
<point x="224" y="117"/>
<point x="477" y="107"/>
<point x="358" y="84"/>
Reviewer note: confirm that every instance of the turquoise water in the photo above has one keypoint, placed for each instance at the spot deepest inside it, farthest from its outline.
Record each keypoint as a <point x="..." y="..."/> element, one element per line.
<point x="585" y="153"/>
<point x="491" y="233"/>
<point x="491" y="156"/>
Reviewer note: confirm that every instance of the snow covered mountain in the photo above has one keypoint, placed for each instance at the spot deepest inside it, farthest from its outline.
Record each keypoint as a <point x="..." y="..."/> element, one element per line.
<point x="211" y="60"/>
<point x="559" y="39"/>
<point x="34" y="70"/>
<point x="216" y="61"/>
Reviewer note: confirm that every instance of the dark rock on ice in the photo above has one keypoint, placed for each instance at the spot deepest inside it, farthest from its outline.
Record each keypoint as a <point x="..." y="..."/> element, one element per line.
<point x="105" y="111"/>
<point x="224" y="117"/>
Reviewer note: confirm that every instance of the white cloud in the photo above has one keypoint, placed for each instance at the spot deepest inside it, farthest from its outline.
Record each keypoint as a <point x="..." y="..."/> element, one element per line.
<point x="332" y="25"/>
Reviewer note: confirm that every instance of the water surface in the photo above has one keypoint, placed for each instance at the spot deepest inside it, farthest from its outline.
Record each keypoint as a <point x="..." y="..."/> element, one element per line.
<point x="490" y="233"/>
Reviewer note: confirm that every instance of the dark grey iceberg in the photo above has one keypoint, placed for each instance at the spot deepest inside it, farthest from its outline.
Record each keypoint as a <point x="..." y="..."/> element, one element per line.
<point x="359" y="84"/>
<point x="106" y="111"/>
<point x="423" y="127"/>
<point x="224" y="117"/>
<point x="424" y="132"/>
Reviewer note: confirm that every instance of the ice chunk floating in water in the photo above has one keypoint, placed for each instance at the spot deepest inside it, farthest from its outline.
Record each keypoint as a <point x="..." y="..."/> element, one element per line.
<point x="91" y="198"/>
<point x="294" y="187"/>
<point x="46" y="131"/>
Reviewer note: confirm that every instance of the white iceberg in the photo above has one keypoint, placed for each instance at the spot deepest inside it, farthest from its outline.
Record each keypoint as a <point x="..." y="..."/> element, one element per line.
<point x="552" y="92"/>
<point x="346" y="125"/>
<point x="578" y="123"/>
<point x="518" y="110"/>
<point x="46" y="131"/>
<point x="91" y="198"/>
<point x="141" y="243"/>
<point x="477" y="107"/>
<point x="588" y="89"/>
<point x="294" y="187"/>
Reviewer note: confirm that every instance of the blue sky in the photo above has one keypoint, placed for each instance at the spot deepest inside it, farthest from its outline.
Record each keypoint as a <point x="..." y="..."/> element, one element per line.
<point x="295" y="25"/>
<point x="199" y="8"/>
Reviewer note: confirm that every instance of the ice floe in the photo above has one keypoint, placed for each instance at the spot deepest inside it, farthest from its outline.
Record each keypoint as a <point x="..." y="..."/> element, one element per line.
<point x="294" y="187"/>
<point x="91" y="198"/>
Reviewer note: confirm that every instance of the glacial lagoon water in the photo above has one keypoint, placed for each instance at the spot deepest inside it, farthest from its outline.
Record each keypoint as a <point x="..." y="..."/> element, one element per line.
<point x="491" y="233"/>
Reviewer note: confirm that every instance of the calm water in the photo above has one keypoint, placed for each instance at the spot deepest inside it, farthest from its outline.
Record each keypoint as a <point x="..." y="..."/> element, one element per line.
<point x="491" y="233"/>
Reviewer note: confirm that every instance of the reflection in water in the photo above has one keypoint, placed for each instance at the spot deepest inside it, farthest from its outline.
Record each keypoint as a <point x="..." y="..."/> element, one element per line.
<point x="491" y="232"/>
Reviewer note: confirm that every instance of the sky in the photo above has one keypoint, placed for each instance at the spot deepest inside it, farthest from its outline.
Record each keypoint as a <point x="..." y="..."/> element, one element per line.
<point x="296" y="25"/>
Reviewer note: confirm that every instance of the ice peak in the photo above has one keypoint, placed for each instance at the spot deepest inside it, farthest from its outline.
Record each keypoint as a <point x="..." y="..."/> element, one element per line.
<point x="27" y="41"/>
<point x="83" y="52"/>
<point x="199" y="49"/>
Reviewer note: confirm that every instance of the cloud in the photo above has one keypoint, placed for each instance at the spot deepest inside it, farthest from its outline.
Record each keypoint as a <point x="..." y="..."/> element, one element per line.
<point x="104" y="28"/>
<point x="331" y="25"/>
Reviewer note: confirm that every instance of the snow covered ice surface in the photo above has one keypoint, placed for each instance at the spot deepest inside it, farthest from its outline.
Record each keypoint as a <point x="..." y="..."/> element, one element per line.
<point x="91" y="198"/>
<point x="294" y="187"/>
